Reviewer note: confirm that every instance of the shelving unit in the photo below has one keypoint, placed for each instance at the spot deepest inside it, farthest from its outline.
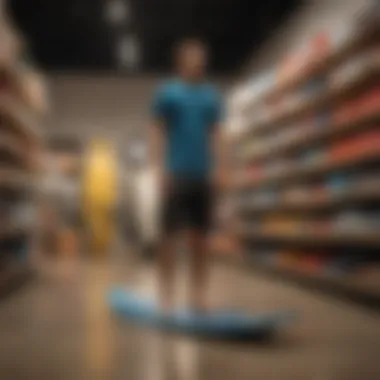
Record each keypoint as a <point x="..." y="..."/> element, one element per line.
<point x="322" y="64"/>
<point x="21" y="138"/>
<point x="20" y="119"/>
<point x="361" y="193"/>
<point x="347" y="286"/>
<point x="316" y="102"/>
<point x="313" y="136"/>
<point x="363" y="239"/>
<point x="306" y="183"/>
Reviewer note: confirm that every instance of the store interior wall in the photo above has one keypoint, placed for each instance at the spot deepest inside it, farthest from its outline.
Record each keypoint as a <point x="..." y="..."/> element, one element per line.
<point x="85" y="106"/>
<point x="114" y="106"/>
<point x="312" y="17"/>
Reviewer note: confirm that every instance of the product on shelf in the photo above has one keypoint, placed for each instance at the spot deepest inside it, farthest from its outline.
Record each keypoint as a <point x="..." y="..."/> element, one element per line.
<point x="365" y="104"/>
<point x="368" y="277"/>
<point x="291" y="66"/>
<point x="337" y="183"/>
<point x="322" y="118"/>
<point x="311" y="156"/>
<point x="316" y="141"/>
<point x="349" y="72"/>
<point x="321" y="47"/>
<point x="356" y="222"/>
<point x="369" y="103"/>
<point x="311" y="262"/>
<point x="360" y="145"/>
<point x="296" y="195"/>
<point x="346" y="263"/>
<point x="23" y="102"/>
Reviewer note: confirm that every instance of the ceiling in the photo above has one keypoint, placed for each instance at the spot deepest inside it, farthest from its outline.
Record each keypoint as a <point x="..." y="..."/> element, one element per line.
<point x="76" y="35"/>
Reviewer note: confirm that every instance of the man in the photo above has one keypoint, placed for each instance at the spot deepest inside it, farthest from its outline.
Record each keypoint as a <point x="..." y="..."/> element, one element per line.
<point x="187" y="112"/>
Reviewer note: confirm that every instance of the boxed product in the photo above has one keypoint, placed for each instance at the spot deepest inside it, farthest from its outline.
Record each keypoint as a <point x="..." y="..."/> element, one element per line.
<point x="292" y="66"/>
<point x="320" y="47"/>
<point x="356" y="146"/>
<point x="369" y="103"/>
<point x="288" y="259"/>
<point x="296" y="195"/>
<point x="311" y="156"/>
<point x="349" y="72"/>
<point x="323" y="118"/>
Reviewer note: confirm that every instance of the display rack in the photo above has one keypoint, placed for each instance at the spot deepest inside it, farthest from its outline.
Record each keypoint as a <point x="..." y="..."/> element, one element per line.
<point x="357" y="193"/>
<point x="21" y="138"/>
<point x="307" y="178"/>
<point x="317" y="66"/>
<point x="315" y="102"/>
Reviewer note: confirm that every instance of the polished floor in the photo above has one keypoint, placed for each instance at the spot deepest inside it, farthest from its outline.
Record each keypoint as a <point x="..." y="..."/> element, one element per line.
<point x="58" y="327"/>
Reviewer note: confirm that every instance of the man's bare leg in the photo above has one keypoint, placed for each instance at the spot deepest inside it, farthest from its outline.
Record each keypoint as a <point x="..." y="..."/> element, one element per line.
<point x="166" y="271"/>
<point x="199" y="270"/>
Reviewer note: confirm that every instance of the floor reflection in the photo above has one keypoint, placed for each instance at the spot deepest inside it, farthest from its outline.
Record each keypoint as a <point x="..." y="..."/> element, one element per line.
<point x="98" y="340"/>
<point x="169" y="358"/>
<point x="59" y="327"/>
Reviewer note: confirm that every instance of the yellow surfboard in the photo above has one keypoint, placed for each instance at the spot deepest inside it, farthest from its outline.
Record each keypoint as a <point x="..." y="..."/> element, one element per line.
<point x="100" y="195"/>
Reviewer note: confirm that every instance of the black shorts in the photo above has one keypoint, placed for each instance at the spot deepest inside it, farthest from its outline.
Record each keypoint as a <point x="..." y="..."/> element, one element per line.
<point x="187" y="204"/>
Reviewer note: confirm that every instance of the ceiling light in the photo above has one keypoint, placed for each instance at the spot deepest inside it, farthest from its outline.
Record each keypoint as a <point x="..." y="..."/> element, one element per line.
<point x="128" y="52"/>
<point x="117" y="11"/>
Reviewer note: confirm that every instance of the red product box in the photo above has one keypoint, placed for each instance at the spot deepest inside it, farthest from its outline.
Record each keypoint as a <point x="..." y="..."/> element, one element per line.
<point x="361" y="105"/>
<point x="340" y="150"/>
<point x="356" y="106"/>
<point x="255" y="172"/>
<point x="320" y="48"/>
<point x="362" y="144"/>
<point x="310" y="263"/>
<point x="371" y="102"/>
<point x="355" y="109"/>
<point x="369" y="142"/>
<point x="344" y="113"/>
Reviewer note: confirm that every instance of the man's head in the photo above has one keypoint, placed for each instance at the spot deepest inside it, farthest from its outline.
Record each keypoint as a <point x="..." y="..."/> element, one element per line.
<point x="191" y="59"/>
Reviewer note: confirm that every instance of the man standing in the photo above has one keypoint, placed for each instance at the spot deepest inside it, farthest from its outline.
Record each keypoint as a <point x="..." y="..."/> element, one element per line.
<point x="187" y="111"/>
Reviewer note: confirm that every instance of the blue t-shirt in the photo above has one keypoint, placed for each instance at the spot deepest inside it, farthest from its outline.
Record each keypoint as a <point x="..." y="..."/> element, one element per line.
<point x="189" y="112"/>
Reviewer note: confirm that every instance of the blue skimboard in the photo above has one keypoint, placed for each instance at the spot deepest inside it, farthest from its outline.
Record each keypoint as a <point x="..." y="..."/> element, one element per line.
<point x="221" y="323"/>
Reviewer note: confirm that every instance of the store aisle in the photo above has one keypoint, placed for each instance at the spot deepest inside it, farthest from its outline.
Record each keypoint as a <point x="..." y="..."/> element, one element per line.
<point x="60" y="328"/>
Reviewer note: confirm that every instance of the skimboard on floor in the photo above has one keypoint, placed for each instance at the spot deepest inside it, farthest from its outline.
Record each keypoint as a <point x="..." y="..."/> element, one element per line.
<point x="227" y="323"/>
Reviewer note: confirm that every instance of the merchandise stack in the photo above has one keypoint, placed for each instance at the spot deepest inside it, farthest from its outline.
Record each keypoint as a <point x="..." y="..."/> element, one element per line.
<point x="306" y="140"/>
<point x="22" y="105"/>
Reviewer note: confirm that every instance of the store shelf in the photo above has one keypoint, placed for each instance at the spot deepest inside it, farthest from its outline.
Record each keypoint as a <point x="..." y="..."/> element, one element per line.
<point x="10" y="232"/>
<point x="368" y="76"/>
<point x="11" y="148"/>
<point x="350" y="287"/>
<point x="318" y="202"/>
<point x="322" y="238"/>
<point x="12" y="178"/>
<point x="314" y="135"/>
<point x="11" y="278"/>
<point x="20" y="119"/>
<point x="345" y="285"/>
<point x="319" y="66"/>
<point x="302" y="171"/>
<point x="312" y="153"/>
